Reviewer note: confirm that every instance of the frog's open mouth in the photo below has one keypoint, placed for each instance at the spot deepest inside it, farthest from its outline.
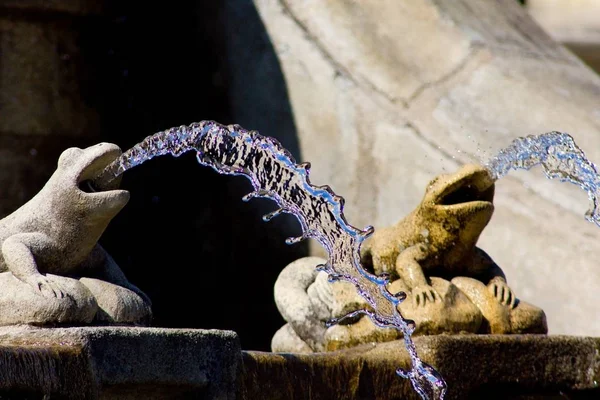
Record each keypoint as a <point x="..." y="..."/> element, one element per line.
<point x="87" y="186"/>
<point x="106" y="154"/>
<point x="476" y="186"/>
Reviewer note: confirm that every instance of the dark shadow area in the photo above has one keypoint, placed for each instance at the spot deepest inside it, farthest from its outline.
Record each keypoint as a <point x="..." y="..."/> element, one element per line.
<point x="205" y="258"/>
<point x="514" y="391"/>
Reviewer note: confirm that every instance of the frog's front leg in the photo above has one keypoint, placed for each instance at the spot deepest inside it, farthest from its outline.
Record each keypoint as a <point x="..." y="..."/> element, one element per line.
<point x="411" y="272"/>
<point x="18" y="252"/>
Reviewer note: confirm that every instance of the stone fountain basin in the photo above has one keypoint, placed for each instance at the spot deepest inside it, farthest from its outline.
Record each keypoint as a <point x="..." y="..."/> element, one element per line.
<point x="157" y="363"/>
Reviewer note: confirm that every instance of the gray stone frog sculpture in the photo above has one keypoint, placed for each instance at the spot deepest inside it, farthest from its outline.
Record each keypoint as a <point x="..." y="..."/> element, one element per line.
<point x="452" y="285"/>
<point x="52" y="269"/>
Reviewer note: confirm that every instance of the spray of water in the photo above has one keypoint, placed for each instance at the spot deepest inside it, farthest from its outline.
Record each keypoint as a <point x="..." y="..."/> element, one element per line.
<point x="274" y="174"/>
<point x="560" y="158"/>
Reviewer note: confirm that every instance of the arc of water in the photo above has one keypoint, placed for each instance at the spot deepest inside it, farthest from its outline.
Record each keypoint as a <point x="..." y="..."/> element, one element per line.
<point x="559" y="156"/>
<point x="274" y="174"/>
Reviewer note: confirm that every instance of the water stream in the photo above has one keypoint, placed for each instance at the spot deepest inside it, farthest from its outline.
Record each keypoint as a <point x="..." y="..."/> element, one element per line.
<point x="559" y="156"/>
<point x="274" y="174"/>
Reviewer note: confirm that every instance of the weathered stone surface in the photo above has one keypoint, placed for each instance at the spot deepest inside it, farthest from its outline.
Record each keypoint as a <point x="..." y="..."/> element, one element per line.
<point x="153" y="363"/>
<point x="439" y="239"/>
<point x="20" y="304"/>
<point x="387" y="94"/>
<point x="56" y="233"/>
<point x="41" y="72"/>
<point x="463" y="306"/>
<point x="452" y="313"/>
<point x="118" y="363"/>
<point x="452" y="286"/>
<point x="305" y="303"/>
<point x="474" y="366"/>
<point x="116" y="304"/>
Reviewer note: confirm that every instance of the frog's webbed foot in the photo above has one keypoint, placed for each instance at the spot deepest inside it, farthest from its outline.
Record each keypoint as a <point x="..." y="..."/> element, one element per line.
<point x="44" y="286"/>
<point x="501" y="292"/>
<point x="424" y="294"/>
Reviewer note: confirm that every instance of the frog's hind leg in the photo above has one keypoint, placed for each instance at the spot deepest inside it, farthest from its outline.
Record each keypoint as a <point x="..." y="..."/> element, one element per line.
<point x="119" y="301"/>
<point x="102" y="266"/>
<point x="501" y="318"/>
<point x="496" y="316"/>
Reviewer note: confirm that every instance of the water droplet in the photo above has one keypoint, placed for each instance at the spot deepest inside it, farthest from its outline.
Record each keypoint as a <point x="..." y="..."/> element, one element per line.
<point x="273" y="214"/>
<point x="401" y="296"/>
<point x="305" y="165"/>
<point x="321" y="267"/>
<point x="410" y="326"/>
<point x="294" y="240"/>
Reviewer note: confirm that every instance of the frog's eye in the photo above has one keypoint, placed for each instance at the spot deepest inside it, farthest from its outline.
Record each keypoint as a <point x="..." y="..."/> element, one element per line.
<point x="69" y="156"/>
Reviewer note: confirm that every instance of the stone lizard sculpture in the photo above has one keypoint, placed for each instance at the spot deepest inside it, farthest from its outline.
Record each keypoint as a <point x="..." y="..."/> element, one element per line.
<point x="55" y="234"/>
<point x="431" y="254"/>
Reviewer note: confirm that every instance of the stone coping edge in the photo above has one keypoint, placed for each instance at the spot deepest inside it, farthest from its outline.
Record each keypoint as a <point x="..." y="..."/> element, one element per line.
<point x="161" y="363"/>
<point x="117" y="362"/>
<point x="474" y="366"/>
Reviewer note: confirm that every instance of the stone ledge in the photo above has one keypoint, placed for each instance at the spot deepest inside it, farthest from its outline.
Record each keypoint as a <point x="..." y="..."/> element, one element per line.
<point x="117" y="363"/>
<point x="475" y="367"/>
<point x="156" y="363"/>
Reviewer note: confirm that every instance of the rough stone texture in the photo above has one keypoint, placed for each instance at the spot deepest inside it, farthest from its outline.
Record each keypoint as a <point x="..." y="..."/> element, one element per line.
<point x="116" y="304"/>
<point x="438" y="239"/>
<point x="56" y="232"/>
<point x="304" y="304"/>
<point x="463" y="306"/>
<point x="453" y="313"/>
<point x="387" y="94"/>
<point x="452" y="286"/>
<point x="154" y="363"/>
<point x="474" y="366"/>
<point x="20" y="305"/>
<point x="118" y="363"/>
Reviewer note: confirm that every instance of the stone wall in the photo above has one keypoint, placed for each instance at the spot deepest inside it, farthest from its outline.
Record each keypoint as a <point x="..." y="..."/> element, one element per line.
<point x="48" y="91"/>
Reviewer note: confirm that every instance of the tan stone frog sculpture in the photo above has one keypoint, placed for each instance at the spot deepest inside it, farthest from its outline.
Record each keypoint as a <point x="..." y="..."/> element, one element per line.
<point x="52" y="270"/>
<point x="431" y="254"/>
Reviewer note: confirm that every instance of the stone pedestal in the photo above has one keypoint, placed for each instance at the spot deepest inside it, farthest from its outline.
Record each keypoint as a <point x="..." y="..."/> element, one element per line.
<point x="474" y="366"/>
<point x="118" y="363"/>
<point x="154" y="363"/>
